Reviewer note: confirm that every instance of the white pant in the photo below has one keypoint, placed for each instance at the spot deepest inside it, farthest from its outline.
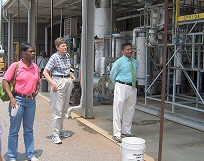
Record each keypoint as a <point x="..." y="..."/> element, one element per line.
<point x="60" y="102"/>
<point x="125" y="98"/>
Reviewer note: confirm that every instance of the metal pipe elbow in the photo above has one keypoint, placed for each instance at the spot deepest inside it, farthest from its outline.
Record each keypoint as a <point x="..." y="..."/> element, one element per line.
<point x="135" y="34"/>
<point x="74" y="108"/>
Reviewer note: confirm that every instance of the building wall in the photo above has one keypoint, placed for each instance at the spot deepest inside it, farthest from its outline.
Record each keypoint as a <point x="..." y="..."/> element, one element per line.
<point x="23" y="29"/>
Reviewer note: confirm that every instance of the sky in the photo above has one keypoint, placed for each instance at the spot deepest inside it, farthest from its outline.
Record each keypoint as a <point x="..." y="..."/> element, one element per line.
<point x="4" y="1"/>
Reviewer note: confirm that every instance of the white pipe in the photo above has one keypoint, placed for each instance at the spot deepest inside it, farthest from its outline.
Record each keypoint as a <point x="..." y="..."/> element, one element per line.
<point x="61" y="22"/>
<point x="25" y="4"/>
<point x="82" y="82"/>
<point x="29" y="26"/>
<point x="135" y="34"/>
<point x="83" y="76"/>
<point x="75" y="108"/>
<point x="4" y="15"/>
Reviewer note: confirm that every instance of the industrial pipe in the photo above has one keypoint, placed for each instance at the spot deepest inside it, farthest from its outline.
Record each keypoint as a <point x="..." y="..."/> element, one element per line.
<point x="135" y="35"/>
<point x="153" y="40"/>
<point x="105" y="3"/>
<point x="75" y="108"/>
<point x="4" y="15"/>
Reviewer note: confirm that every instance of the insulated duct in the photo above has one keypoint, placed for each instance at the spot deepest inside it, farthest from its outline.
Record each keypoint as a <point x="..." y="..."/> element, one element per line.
<point x="105" y="3"/>
<point x="153" y="39"/>
<point x="155" y="15"/>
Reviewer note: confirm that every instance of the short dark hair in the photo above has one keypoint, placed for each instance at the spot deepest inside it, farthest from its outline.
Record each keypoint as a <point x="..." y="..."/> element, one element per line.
<point x="124" y="45"/>
<point x="25" y="46"/>
<point x="59" y="41"/>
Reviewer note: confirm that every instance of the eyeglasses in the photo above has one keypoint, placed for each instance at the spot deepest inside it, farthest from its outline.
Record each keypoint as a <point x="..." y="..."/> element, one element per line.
<point x="129" y="49"/>
<point x="63" y="46"/>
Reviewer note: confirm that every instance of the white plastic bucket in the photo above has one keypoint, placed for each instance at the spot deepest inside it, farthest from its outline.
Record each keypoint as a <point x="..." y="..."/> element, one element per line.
<point x="133" y="148"/>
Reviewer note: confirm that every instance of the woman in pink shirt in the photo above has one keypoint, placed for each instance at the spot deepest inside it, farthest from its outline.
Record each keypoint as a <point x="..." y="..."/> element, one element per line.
<point x="26" y="88"/>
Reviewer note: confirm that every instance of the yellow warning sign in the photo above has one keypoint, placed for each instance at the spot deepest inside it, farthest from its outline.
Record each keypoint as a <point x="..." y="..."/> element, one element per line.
<point x="191" y="17"/>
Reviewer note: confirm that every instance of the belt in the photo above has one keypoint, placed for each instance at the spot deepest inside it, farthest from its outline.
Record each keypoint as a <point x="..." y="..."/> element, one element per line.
<point x="126" y="83"/>
<point x="28" y="96"/>
<point x="61" y="76"/>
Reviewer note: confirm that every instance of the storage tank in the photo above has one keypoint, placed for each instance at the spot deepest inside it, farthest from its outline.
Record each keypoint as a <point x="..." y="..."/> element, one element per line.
<point x="102" y="22"/>
<point x="141" y="58"/>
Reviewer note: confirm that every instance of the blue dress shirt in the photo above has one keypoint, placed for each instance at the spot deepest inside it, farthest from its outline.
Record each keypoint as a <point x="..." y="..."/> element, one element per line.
<point x="121" y="70"/>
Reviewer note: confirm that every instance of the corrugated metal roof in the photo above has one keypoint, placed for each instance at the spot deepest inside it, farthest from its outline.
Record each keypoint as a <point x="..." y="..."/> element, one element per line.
<point x="68" y="8"/>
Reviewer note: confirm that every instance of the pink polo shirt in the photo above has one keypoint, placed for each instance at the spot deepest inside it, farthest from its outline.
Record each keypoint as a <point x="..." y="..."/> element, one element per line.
<point x="26" y="78"/>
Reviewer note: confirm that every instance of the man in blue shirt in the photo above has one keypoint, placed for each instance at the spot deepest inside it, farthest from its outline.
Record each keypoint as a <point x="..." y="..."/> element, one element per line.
<point x="123" y="75"/>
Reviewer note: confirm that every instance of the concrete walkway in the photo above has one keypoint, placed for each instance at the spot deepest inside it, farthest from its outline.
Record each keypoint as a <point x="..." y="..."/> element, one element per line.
<point x="180" y="143"/>
<point x="84" y="144"/>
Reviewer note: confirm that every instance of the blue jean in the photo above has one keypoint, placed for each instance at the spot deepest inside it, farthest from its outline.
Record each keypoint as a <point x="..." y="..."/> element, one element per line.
<point x="26" y="113"/>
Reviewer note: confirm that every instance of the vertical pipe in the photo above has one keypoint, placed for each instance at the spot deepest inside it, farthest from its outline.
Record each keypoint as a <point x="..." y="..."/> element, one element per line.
<point x="51" y="28"/>
<point x="175" y="36"/>
<point x="104" y="46"/>
<point x="111" y="29"/>
<point x="163" y="83"/>
<point x="168" y="78"/>
<point x="198" y="87"/>
<point x="193" y="52"/>
<point x="88" y="14"/>
<point x="29" y="26"/>
<point x="32" y="24"/>
<point x="18" y="52"/>
<point x="36" y="31"/>
<point x="147" y="73"/>
<point x="174" y="92"/>
<point x="177" y="12"/>
<point x="173" y="23"/>
<point x="61" y="23"/>
<point x="10" y="40"/>
<point x="3" y="31"/>
<point x="46" y="40"/>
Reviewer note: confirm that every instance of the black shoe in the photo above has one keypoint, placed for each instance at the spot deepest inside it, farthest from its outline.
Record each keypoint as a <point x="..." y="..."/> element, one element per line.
<point x="128" y="135"/>
<point x="117" y="139"/>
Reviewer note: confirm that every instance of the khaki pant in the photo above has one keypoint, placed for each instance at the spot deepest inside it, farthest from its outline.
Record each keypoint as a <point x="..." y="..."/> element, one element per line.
<point x="60" y="102"/>
<point x="124" y="103"/>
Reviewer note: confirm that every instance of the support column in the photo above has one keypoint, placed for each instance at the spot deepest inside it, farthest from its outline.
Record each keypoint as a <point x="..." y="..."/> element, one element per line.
<point x="87" y="55"/>
<point x="10" y="40"/>
<point x="46" y="41"/>
<point x="31" y="26"/>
